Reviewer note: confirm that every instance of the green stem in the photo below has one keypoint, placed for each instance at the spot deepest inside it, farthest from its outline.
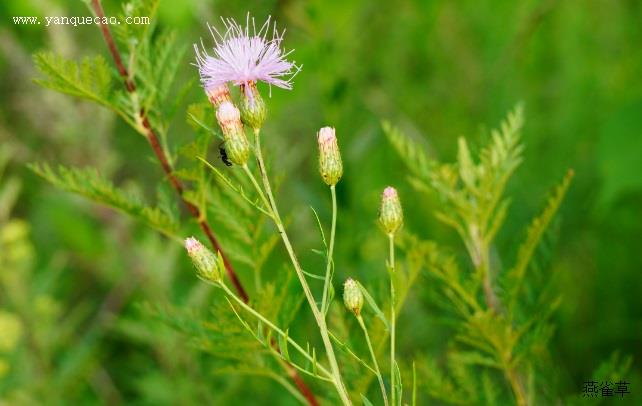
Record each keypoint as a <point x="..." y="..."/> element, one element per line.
<point x="320" y="319"/>
<point x="271" y="325"/>
<point x="518" y="389"/>
<point x="481" y="260"/>
<point x="374" y="360"/>
<point x="257" y="187"/>
<point x="328" y="269"/>
<point x="393" y="317"/>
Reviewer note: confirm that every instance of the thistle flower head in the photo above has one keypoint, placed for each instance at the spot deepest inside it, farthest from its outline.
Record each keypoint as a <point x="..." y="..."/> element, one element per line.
<point x="390" y="213"/>
<point x="330" y="165"/>
<point x="206" y="263"/>
<point x="236" y="143"/>
<point x="352" y="296"/>
<point x="243" y="55"/>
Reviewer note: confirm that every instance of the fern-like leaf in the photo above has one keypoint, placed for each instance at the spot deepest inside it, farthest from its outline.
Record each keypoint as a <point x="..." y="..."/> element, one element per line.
<point x="534" y="234"/>
<point x="89" y="183"/>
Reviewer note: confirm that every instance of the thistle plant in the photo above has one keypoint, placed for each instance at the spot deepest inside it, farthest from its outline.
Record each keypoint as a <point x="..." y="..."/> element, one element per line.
<point x="499" y="332"/>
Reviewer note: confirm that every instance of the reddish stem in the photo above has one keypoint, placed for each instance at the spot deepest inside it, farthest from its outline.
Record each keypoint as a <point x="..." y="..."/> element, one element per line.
<point x="194" y="211"/>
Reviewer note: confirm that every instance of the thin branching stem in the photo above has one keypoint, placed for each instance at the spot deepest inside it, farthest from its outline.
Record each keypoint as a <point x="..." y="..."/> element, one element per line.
<point x="144" y="126"/>
<point x="344" y="346"/>
<point x="329" y="259"/>
<point x="481" y="260"/>
<point x="276" y="329"/>
<point x="374" y="360"/>
<point x="194" y="211"/>
<point x="320" y="319"/>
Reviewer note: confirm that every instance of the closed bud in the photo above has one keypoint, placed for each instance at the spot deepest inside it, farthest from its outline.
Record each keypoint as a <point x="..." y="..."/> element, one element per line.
<point x="218" y="95"/>
<point x="253" y="109"/>
<point x="330" y="165"/>
<point x="390" y="213"/>
<point x="236" y="144"/>
<point x="206" y="263"/>
<point x="352" y="296"/>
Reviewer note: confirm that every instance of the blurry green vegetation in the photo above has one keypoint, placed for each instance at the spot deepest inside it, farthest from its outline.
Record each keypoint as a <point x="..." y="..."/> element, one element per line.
<point x="85" y="291"/>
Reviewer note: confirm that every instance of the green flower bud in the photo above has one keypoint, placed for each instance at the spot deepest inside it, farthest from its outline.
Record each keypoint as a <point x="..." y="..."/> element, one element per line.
<point x="236" y="144"/>
<point x="206" y="263"/>
<point x="390" y="214"/>
<point x="352" y="296"/>
<point x="218" y="95"/>
<point x="330" y="165"/>
<point x="253" y="109"/>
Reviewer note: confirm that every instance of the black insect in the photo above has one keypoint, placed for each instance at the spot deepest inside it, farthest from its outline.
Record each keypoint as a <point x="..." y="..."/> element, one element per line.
<point x="223" y="153"/>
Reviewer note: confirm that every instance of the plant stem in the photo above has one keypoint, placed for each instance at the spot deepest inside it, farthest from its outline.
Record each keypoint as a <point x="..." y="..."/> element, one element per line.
<point x="320" y="319"/>
<point x="481" y="260"/>
<point x="330" y="264"/>
<point x="194" y="211"/>
<point x="374" y="360"/>
<point x="491" y="299"/>
<point x="516" y="385"/>
<point x="271" y="325"/>
<point x="152" y="138"/>
<point x="250" y="175"/>
<point x="393" y="317"/>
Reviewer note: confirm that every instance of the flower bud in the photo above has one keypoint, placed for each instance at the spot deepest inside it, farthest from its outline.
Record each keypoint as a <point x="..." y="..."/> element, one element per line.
<point x="352" y="296"/>
<point x="236" y="144"/>
<point x="330" y="165"/>
<point x="390" y="214"/>
<point x="218" y="95"/>
<point x="253" y="109"/>
<point x="204" y="260"/>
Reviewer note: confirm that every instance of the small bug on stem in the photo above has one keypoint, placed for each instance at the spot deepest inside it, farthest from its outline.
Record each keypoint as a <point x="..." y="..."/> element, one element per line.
<point x="223" y="153"/>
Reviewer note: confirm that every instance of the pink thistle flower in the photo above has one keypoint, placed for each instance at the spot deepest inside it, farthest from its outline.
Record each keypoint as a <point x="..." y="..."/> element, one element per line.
<point x="244" y="57"/>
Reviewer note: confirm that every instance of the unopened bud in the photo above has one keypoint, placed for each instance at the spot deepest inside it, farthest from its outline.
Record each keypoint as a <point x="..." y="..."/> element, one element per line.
<point x="218" y="95"/>
<point x="253" y="109"/>
<point x="352" y="296"/>
<point x="204" y="260"/>
<point x="330" y="165"/>
<point x="390" y="213"/>
<point x="236" y="144"/>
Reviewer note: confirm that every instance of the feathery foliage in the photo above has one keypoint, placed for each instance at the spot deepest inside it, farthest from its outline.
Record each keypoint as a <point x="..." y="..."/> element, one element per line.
<point x="88" y="183"/>
<point x="497" y="349"/>
<point x="492" y="330"/>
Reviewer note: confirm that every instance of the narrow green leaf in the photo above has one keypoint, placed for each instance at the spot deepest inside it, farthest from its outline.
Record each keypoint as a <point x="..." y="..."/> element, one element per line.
<point x="371" y="302"/>
<point x="365" y="400"/>
<point x="283" y="345"/>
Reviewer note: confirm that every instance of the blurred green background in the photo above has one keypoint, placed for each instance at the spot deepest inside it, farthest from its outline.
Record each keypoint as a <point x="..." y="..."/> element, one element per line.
<point x="76" y="274"/>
